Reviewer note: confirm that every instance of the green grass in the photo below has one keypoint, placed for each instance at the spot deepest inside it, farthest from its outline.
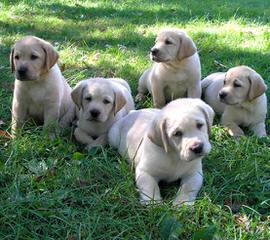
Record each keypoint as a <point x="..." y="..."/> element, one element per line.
<point x="57" y="190"/>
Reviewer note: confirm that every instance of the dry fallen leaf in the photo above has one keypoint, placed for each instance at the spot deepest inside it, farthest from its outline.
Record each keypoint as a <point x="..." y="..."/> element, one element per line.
<point x="5" y="134"/>
<point x="62" y="67"/>
<point x="243" y="221"/>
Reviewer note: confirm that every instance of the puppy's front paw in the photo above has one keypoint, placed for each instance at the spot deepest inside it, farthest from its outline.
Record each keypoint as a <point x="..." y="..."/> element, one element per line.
<point x="139" y="97"/>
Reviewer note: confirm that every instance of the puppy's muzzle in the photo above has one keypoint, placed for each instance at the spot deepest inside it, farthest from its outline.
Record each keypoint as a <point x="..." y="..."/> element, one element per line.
<point x="222" y="95"/>
<point x="22" y="73"/>
<point x="94" y="113"/>
<point x="154" y="52"/>
<point x="197" y="147"/>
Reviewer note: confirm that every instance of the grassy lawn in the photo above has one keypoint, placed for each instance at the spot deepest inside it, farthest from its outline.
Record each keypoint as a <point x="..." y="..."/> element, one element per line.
<point x="57" y="190"/>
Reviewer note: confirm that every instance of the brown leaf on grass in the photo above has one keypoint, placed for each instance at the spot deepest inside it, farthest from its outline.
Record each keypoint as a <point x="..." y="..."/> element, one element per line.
<point x="243" y="221"/>
<point x="5" y="134"/>
<point x="62" y="67"/>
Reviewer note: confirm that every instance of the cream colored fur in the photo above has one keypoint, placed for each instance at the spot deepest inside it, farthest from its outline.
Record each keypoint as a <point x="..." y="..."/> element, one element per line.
<point x="161" y="144"/>
<point x="41" y="92"/>
<point x="109" y="99"/>
<point x="245" y="103"/>
<point x="176" y="72"/>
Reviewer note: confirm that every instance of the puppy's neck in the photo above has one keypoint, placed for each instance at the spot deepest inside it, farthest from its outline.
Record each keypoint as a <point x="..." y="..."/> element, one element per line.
<point x="94" y="127"/>
<point x="53" y="71"/>
<point x="251" y="105"/>
<point x="176" y="65"/>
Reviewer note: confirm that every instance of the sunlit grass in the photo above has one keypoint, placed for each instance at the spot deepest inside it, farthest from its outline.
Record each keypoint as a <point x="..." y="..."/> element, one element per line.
<point x="58" y="190"/>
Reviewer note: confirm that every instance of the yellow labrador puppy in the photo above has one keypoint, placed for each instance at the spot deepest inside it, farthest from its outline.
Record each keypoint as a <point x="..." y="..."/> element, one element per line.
<point x="239" y="95"/>
<point x="166" y="144"/>
<point x="176" y="72"/>
<point x="41" y="92"/>
<point x="101" y="102"/>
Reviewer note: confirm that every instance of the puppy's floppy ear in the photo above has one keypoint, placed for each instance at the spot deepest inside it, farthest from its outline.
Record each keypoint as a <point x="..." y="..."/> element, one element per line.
<point x="209" y="115"/>
<point x="158" y="134"/>
<point x="257" y="86"/>
<point x="51" y="55"/>
<point x="119" y="101"/>
<point x="77" y="94"/>
<point x="11" y="60"/>
<point x="187" y="47"/>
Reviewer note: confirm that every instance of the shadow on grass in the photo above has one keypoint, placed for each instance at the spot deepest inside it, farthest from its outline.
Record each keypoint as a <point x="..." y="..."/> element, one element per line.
<point x="144" y="13"/>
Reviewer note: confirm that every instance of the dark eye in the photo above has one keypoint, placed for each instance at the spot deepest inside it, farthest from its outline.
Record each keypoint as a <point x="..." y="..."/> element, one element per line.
<point x="34" y="57"/>
<point x="17" y="57"/>
<point x="224" y="82"/>
<point x="235" y="84"/>
<point x="89" y="99"/>
<point x="199" y="125"/>
<point x="168" y="42"/>
<point x="105" y="101"/>
<point x="178" y="134"/>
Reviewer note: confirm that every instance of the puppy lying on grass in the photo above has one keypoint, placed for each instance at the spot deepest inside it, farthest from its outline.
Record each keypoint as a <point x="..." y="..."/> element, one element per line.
<point x="166" y="144"/>
<point x="41" y="92"/>
<point x="101" y="102"/>
<point x="176" y="72"/>
<point x="239" y="95"/>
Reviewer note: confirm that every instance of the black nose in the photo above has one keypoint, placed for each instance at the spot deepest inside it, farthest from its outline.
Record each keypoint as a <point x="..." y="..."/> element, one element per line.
<point x="95" y="113"/>
<point x="154" y="51"/>
<point x="197" y="148"/>
<point x="22" y="71"/>
<point x="222" y="95"/>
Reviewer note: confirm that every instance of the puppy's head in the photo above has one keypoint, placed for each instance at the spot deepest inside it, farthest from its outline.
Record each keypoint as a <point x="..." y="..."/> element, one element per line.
<point x="241" y="84"/>
<point x="183" y="127"/>
<point x="32" y="57"/>
<point x="97" y="99"/>
<point x="172" y="45"/>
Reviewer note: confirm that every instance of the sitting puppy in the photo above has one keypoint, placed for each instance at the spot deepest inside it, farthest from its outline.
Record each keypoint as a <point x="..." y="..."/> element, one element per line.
<point x="239" y="95"/>
<point x="40" y="92"/>
<point x="101" y="102"/>
<point x="166" y="144"/>
<point x="176" y="72"/>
